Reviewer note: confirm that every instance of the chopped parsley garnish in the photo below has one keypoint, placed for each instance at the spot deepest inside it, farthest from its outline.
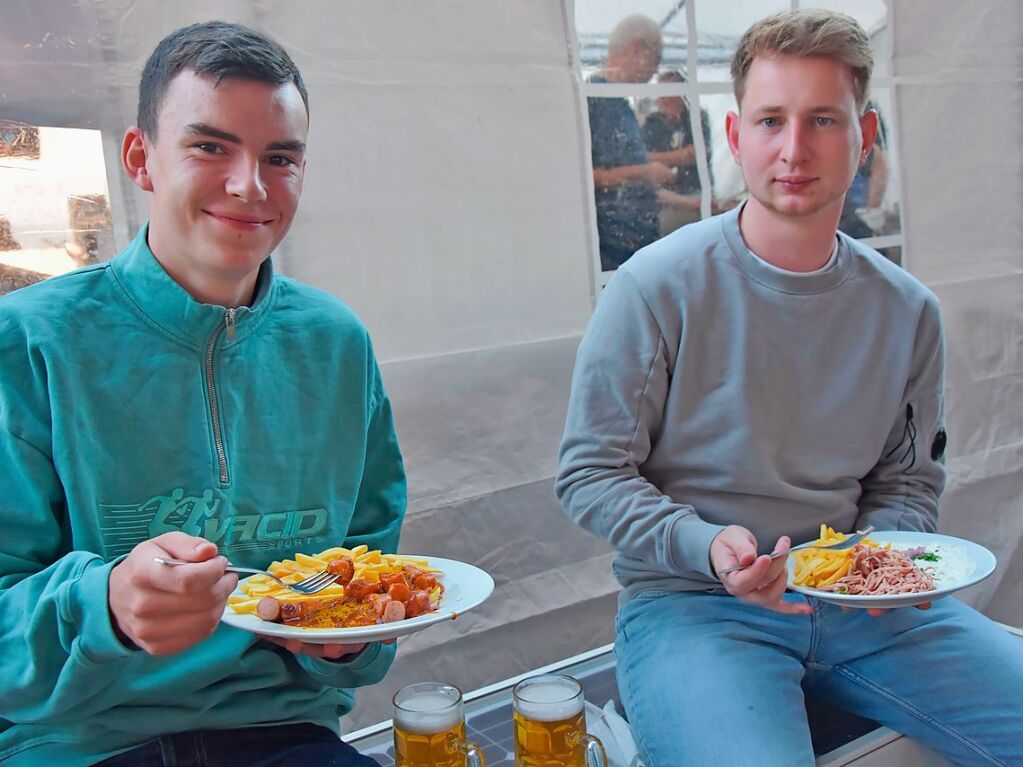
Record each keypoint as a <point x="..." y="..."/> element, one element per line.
<point x="927" y="556"/>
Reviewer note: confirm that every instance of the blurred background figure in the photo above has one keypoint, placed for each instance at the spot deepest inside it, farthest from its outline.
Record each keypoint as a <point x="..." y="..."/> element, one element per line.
<point x="862" y="212"/>
<point x="624" y="178"/>
<point x="668" y="135"/>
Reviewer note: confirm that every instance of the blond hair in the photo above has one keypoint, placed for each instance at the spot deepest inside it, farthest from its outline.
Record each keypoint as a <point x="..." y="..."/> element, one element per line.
<point x="808" y="32"/>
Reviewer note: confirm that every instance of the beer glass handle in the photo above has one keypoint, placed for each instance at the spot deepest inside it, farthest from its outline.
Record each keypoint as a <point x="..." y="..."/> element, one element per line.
<point x="473" y="754"/>
<point x="594" y="751"/>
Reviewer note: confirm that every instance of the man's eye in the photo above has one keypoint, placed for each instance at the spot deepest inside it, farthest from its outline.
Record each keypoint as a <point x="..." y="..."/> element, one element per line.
<point x="769" y="122"/>
<point x="280" y="159"/>
<point x="825" y="121"/>
<point x="208" y="147"/>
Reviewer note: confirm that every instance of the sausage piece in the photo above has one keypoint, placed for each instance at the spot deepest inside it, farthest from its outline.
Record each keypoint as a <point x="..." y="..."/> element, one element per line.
<point x="389" y="579"/>
<point x="379" y="602"/>
<point x="291" y="611"/>
<point x="343" y="567"/>
<point x="360" y="588"/>
<point x="393" y="611"/>
<point x="399" y="592"/>
<point x="425" y="581"/>
<point x="417" y="604"/>
<point x="269" y="609"/>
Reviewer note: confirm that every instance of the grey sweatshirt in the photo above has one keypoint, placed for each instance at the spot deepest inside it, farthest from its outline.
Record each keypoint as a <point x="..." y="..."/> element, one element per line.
<point x="712" y="388"/>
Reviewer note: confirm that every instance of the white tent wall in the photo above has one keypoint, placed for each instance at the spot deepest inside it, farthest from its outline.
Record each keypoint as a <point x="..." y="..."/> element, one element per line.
<point x="959" y="94"/>
<point x="447" y="200"/>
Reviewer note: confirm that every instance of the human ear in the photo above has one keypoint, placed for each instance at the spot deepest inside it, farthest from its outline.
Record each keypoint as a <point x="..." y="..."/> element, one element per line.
<point x="134" y="154"/>
<point x="868" y="130"/>
<point x="732" y="132"/>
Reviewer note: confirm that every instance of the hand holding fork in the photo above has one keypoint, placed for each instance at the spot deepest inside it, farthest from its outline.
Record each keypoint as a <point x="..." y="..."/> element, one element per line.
<point x="848" y="543"/>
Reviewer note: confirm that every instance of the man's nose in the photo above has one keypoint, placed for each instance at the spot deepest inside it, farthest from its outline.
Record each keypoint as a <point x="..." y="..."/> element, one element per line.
<point x="794" y="147"/>
<point x="245" y="180"/>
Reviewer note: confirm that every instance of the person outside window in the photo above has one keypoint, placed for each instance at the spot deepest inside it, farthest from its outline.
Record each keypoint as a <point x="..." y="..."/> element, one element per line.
<point x="668" y="134"/>
<point x="625" y="180"/>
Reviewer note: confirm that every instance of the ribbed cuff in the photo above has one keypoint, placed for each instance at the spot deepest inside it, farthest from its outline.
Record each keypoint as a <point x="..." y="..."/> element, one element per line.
<point x="365" y="667"/>
<point x="691" y="539"/>
<point x="87" y="605"/>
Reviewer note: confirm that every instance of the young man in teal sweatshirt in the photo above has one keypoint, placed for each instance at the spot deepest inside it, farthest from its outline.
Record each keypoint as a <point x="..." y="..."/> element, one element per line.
<point x="742" y="381"/>
<point x="184" y="401"/>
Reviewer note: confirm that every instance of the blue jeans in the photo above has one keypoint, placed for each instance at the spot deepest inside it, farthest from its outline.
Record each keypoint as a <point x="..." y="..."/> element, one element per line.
<point x="292" y="745"/>
<point x="708" y="680"/>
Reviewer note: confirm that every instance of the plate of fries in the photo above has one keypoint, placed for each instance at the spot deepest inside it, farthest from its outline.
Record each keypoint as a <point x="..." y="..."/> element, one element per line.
<point x="461" y="587"/>
<point x="951" y="563"/>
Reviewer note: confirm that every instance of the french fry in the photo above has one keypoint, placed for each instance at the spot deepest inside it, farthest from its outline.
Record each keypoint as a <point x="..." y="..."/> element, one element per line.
<point x="334" y="553"/>
<point x="310" y="563"/>
<point x="820" y="568"/>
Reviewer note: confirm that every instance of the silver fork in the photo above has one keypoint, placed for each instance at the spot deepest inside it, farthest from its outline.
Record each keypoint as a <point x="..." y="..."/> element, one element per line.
<point x="848" y="543"/>
<point x="310" y="585"/>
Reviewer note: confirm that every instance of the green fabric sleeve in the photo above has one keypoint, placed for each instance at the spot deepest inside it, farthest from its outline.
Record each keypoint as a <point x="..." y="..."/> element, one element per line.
<point x="380" y="505"/>
<point x="365" y="668"/>
<point x="55" y="633"/>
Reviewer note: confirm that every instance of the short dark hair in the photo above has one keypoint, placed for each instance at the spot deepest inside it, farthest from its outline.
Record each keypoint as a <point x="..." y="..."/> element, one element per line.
<point x="216" y="49"/>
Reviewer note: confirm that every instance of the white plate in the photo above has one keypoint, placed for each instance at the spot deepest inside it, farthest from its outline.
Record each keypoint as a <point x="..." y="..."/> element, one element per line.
<point x="983" y="564"/>
<point x="465" y="587"/>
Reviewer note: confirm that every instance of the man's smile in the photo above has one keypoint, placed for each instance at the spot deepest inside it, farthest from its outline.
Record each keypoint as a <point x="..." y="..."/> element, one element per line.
<point x="241" y="221"/>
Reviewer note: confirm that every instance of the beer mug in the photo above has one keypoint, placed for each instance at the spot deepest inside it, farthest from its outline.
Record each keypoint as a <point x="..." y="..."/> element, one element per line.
<point x="550" y="725"/>
<point x="429" y="728"/>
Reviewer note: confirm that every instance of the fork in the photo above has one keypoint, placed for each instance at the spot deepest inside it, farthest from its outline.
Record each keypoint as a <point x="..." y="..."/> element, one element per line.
<point x="848" y="543"/>
<point x="310" y="585"/>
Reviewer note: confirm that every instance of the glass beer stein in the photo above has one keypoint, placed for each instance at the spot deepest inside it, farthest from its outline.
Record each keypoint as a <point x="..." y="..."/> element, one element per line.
<point x="429" y="728"/>
<point x="550" y="725"/>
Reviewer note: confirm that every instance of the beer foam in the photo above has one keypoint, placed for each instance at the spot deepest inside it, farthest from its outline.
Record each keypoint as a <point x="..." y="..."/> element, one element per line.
<point x="427" y="712"/>
<point x="549" y="700"/>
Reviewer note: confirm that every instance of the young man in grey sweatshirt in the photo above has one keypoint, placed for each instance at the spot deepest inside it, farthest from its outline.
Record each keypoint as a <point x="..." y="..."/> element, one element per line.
<point x="742" y="381"/>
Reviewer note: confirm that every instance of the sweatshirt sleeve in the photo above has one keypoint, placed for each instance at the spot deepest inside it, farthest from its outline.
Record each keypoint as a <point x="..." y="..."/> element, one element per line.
<point x="619" y="389"/>
<point x="56" y="637"/>
<point x="901" y="491"/>
<point x="380" y="505"/>
<point x="365" y="668"/>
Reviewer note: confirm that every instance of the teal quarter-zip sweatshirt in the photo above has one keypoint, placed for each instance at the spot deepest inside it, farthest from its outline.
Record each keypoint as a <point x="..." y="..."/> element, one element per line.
<point x="127" y="410"/>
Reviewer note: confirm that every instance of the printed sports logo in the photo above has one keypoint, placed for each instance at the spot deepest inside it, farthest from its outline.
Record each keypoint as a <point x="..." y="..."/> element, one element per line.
<point x="125" y="526"/>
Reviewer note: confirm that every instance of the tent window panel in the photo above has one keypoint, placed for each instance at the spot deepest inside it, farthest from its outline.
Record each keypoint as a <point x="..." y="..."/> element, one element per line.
<point x="54" y="206"/>
<point x="630" y="213"/>
<point x="872" y="204"/>
<point x="719" y="27"/>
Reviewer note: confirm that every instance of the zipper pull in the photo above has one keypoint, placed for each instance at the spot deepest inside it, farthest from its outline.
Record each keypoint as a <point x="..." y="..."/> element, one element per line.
<point x="229" y="321"/>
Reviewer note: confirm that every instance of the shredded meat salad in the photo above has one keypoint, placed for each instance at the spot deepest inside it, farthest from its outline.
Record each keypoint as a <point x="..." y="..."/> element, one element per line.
<point x="877" y="570"/>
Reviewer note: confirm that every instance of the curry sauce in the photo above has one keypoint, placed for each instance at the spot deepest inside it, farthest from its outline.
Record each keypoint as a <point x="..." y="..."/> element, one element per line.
<point x="335" y="613"/>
